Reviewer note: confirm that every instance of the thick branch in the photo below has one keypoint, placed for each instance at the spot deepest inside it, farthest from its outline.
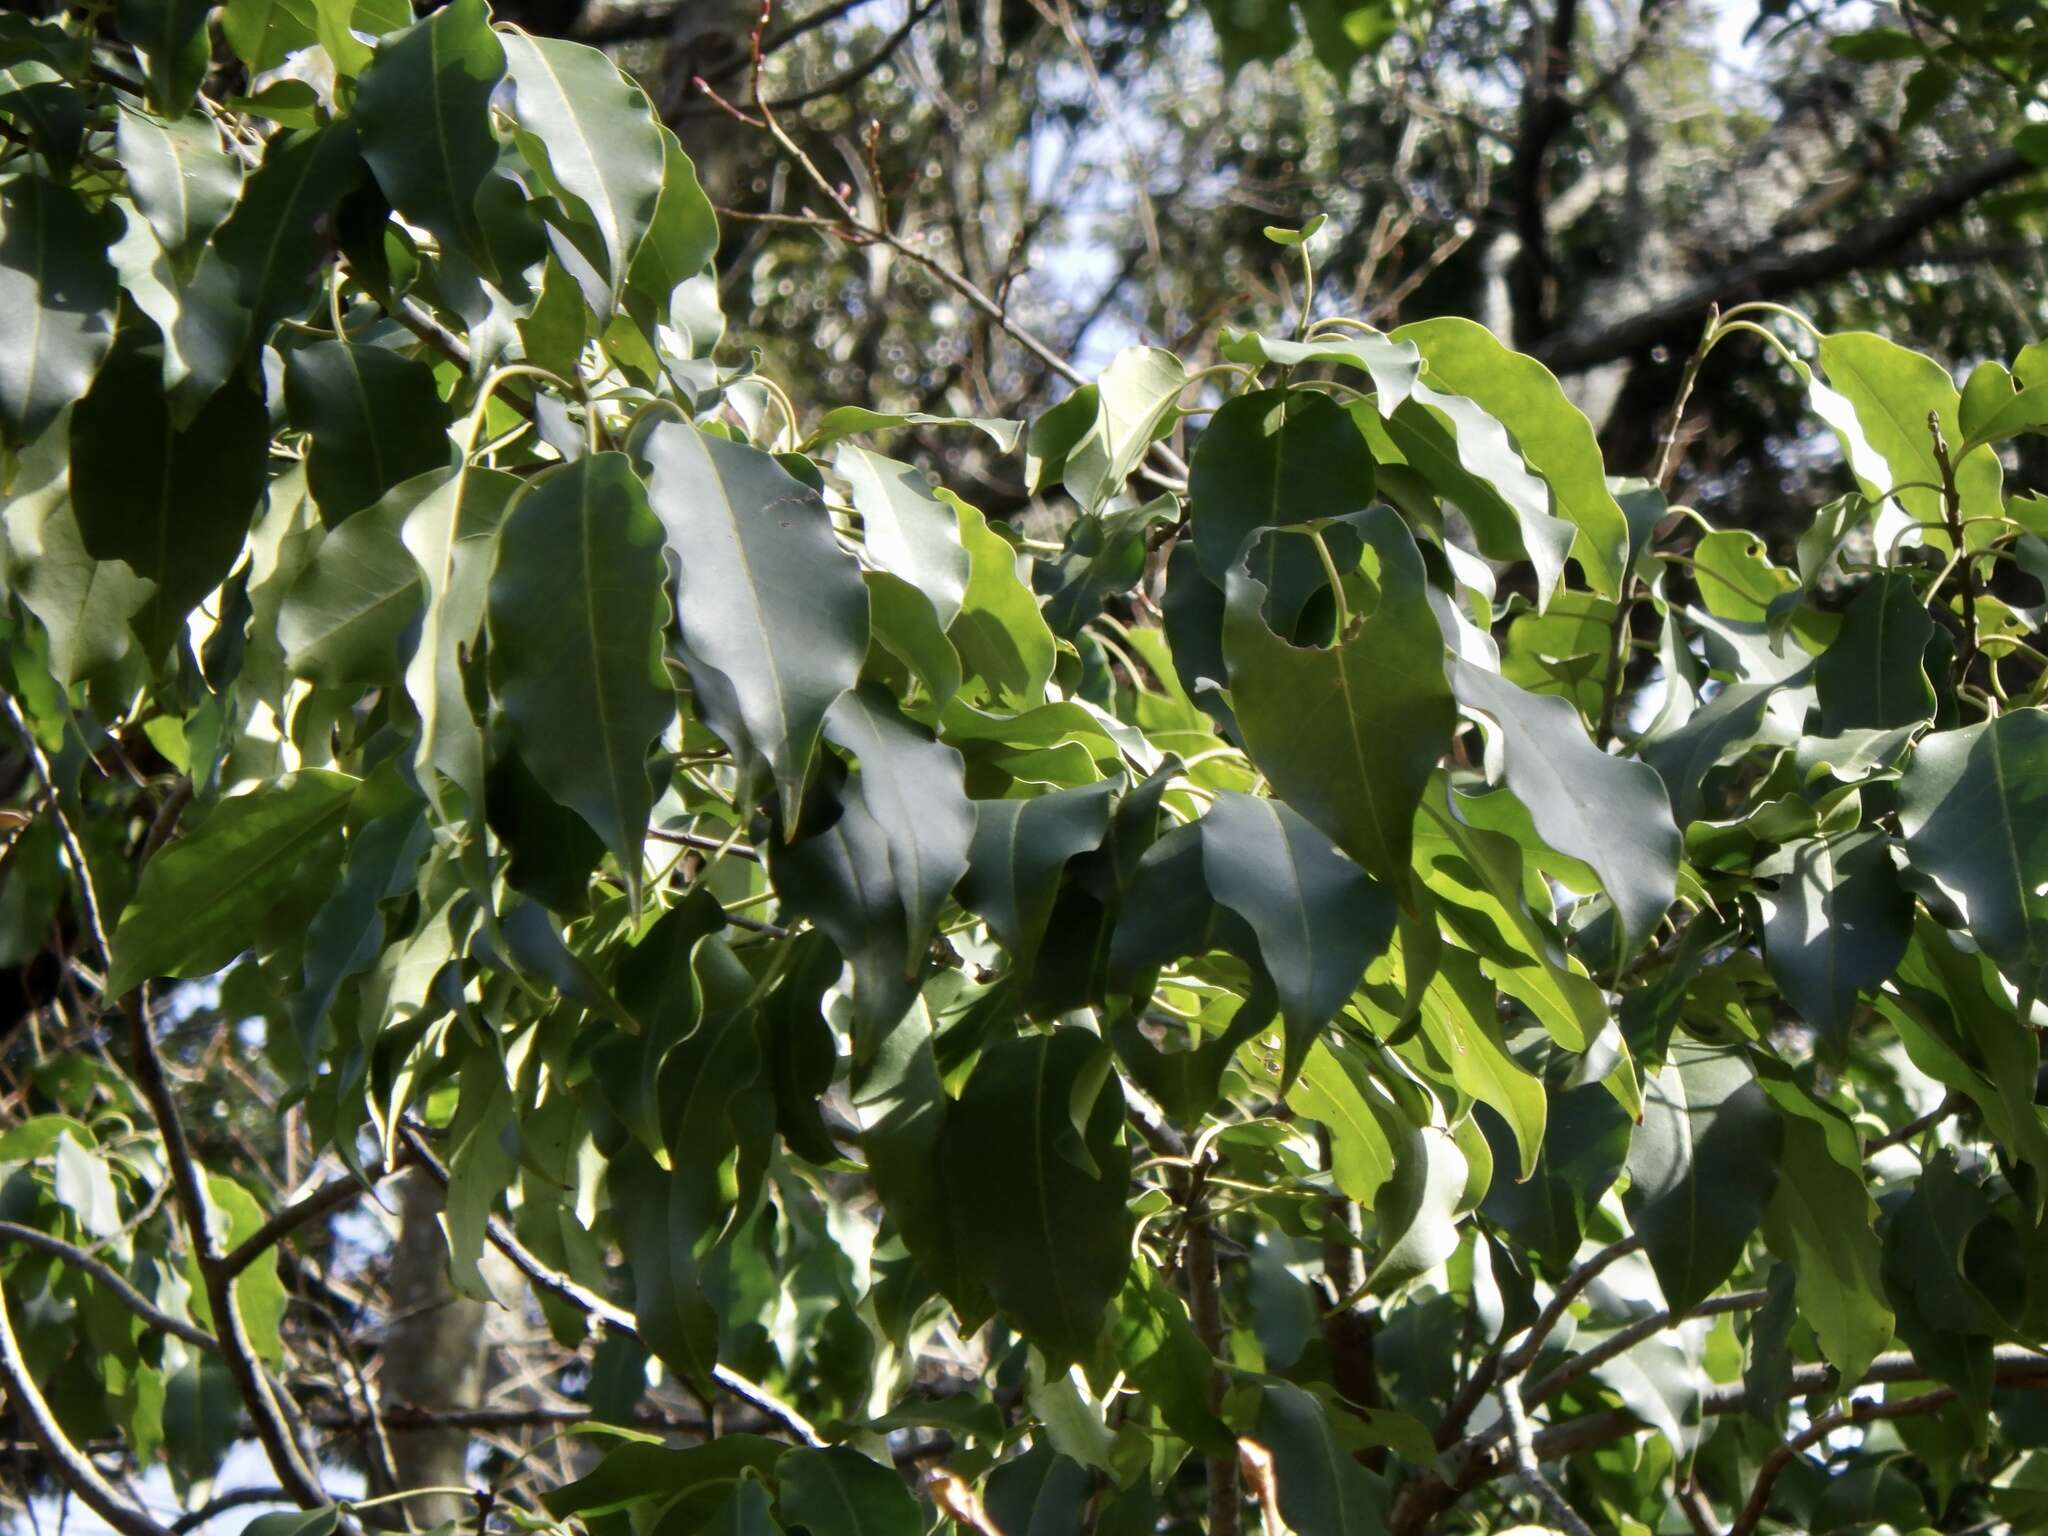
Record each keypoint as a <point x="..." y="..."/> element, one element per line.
<point x="1545" y="110"/>
<point x="1767" y="271"/>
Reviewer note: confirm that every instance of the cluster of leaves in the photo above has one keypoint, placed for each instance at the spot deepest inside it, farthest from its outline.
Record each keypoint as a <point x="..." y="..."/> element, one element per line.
<point x="1206" y="989"/>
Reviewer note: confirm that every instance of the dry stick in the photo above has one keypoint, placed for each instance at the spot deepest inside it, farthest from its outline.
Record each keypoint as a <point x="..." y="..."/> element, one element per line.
<point x="1952" y="1104"/>
<point x="557" y="1284"/>
<point x="146" y="1067"/>
<point x="1581" y="1366"/>
<point x="112" y="1279"/>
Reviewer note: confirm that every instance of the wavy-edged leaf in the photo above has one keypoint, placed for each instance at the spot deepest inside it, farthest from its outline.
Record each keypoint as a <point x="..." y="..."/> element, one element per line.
<point x="253" y="861"/>
<point x="1974" y="807"/>
<point x="1553" y="435"/>
<point x="1020" y="849"/>
<point x="1136" y="400"/>
<point x="1836" y="922"/>
<point x="1395" y="366"/>
<point x="1463" y="1039"/>
<point x="182" y="180"/>
<point x="451" y="533"/>
<point x="591" y="134"/>
<point x="1348" y="734"/>
<point x="342" y="620"/>
<point x="1155" y="1344"/>
<point x="1006" y="650"/>
<point x="768" y="600"/>
<point x="375" y="419"/>
<point x="1702" y="1168"/>
<point x="907" y="529"/>
<point x="1611" y="813"/>
<point x="1322" y="1488"/>
<point x="1320" y="919"/>
<point x="272" y="241"/>
<point x="1270" y="459"/>
<point x="57" y="297"/>
<point x="175" y="504"/>
<point x="576" y="613"/>
<point x="424" y="110"/>
<point x="1873" y="676"/>
<point x="839" y="1492"/>
<point x="1039" y="1188"/>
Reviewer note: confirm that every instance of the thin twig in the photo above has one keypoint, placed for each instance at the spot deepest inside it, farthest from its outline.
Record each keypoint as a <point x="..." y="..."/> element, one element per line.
<point x="1530" y="1468"/>
<point x="116" y="1284"/>
<point x="1952" y="1103"/>
<point x="557" y="1284"/>
<point x="328" y="1197"/>
<point x="1862" y="1411"/>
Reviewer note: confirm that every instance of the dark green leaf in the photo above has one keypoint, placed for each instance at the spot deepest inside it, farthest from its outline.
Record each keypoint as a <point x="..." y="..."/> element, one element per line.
<point x="344" y="618"/>
<point x="769" y="603"/>
<point x="375" y="419"/>
<point x="1702" y="1167"/>
<point x="907" y="529"/>
<point x="171" y="37"/>
<point x="839" y="1492"/>
<point x="1040" y="1493"/>
<point x="208" y="896"/>
<point x="181" y="178"/>
<point x="57" y="298"/>
<point x="1154" y="1342"/>
<point x="1020" y="848"/>
<point x="1585" y="1142"/>
<point x="272" y="242"/>
<point x="174" y="503"/>
<point x="1836" y="923"/>
<point x="576" y="616"/>
<point x="1039" y="1198"/>
<point x="1872" y="678"/>
<point x="1323" y="1490"/>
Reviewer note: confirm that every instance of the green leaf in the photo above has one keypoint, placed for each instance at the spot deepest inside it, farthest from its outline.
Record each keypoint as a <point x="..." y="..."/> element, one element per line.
<point x="1702" y="1168"/>
<point x="772" y="609"/>
<point x="1819" y="1223"/>
<point x="375" y="419"/>
<point x="1323" y="1491"/>
<point x="681" y="240"/>
<point x="1348" y="735"/>
<point x="844" y="421"/>
<point x="57" y="297"/>
<point x="174" y="503"/>
<point x="1000" y="636"/>
<point x="1270" y="459"/>
<point x="1155" y="1344"/>
<point x="1460" y="1026"/>
<point x="839" y="1492"/>
<point x="1039" y="1191"/>
<point x="590" y="133"/>
<point x="83" y="604"/>
<point x="183" y="182"/>
<point x="693" y="1476"/>
<point x="1554" y="436"/>
<point x="296" y="1522"/>
<point x="1040" y="1493"/>
<point x="264" y="33"/>
<point x="907" y="529"/>
<point x="749" y="1512"/>
<point x="1836" y="923"/>
<point x="1136" y="401"/>
<point x="1609" y="812"/>
<point x="1019" y="851"/>
<point x="1395" y="366"/>
<point x="1319" y="918"/>
<point x="171" y="36"/>
<point x="1972" y="804"/>
<point x="481" y="1166"/>
<point x="273" y="242"/>
<point x="915" y="789"/>
<point x="208" y="896"/>
<point x="424" y="111"/>
<point x="576" y="615"/>
<point x="1352" y="1108"/>
<point x="345" y="616"/>
<point x="1872" y="677"/>
<point x="1585" y="1143"/>
<point x="451" y="532"/>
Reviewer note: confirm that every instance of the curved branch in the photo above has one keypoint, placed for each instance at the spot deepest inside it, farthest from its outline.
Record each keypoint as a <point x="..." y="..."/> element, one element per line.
<point x="328" y="1197"/>
<point x="112" y="1279"/>
<point x="557" y="1284"/>
<point x="72" y="1468"/>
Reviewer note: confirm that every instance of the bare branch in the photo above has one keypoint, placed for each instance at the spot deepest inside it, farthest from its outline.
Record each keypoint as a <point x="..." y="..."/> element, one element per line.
<point x="328" y="1197"/>
<point x="1530" y="1468"/>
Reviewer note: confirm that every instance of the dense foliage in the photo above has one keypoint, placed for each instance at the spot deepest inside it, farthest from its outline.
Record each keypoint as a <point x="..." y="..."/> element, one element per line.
<point x="1389" y="980"/>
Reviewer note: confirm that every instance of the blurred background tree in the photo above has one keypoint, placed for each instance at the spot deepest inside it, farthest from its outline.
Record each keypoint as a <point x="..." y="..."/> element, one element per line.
<point x="1588" y="179"/>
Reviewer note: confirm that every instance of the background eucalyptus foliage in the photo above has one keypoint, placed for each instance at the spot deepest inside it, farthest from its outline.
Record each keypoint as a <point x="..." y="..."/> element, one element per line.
<point x="1387" y="979"/>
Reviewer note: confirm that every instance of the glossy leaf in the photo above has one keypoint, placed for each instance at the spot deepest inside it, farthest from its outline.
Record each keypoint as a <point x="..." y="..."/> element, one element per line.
<point x="575" y="614"/>
<point x="1836" y="923"/>
<point x="56" y="303"/>
<point x="375" y="419"/>
<point x="769" y="604"/>
<point x="839" y="1492"/>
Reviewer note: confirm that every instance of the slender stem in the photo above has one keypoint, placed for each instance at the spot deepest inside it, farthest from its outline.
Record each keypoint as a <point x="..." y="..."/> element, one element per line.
<point x="1952" y="508"/>
<point x="1206" y="1310"/>
<point x="1668" y="460"/>
<point x="1336" y="583"/>
<point x="117" y="1286"/>
<point x="557" y="1284"/>
<point x="1530" y="1468"/>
